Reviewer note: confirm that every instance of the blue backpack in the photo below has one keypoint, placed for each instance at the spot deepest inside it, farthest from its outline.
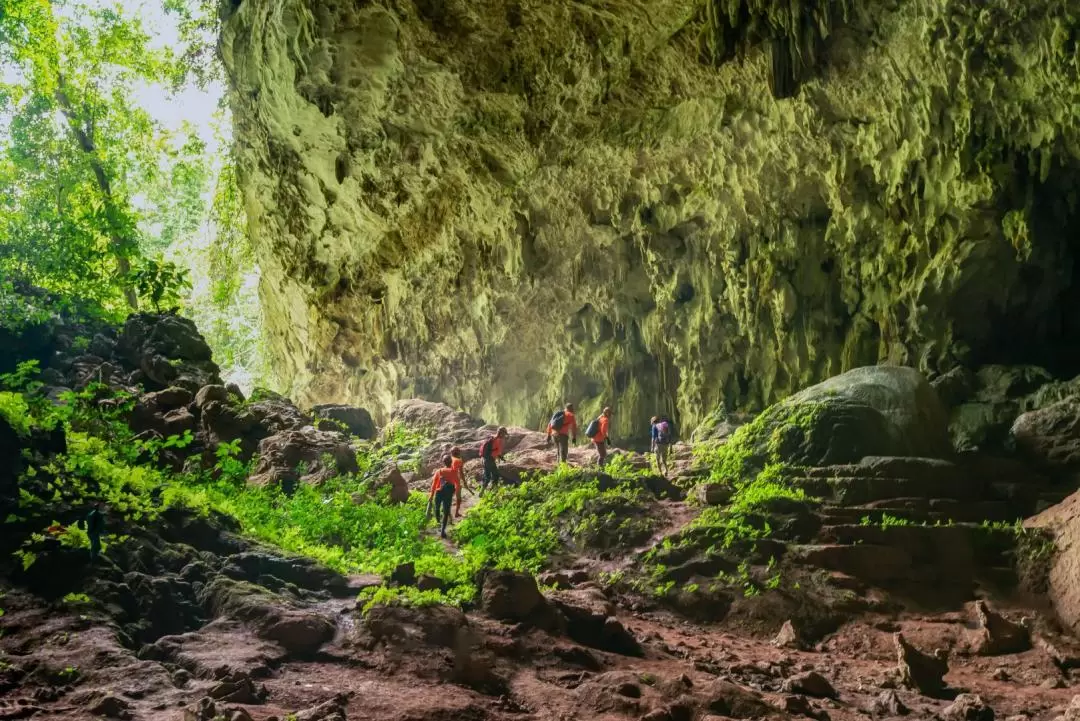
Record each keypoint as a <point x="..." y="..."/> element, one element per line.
<point x="663" y="431"/>
<point x="593" y="428"/>
<point x="557" y="420"/>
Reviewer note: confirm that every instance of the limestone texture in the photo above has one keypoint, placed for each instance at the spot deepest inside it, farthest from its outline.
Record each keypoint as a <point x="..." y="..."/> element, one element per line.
<point x="505" y="204"/>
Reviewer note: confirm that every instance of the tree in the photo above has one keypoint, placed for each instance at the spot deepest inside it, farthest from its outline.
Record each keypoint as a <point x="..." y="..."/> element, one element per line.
<point x="79" y="149"/>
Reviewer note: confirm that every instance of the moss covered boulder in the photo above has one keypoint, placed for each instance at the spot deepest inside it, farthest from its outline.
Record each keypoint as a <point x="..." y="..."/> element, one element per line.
<point x="870" y="411"/>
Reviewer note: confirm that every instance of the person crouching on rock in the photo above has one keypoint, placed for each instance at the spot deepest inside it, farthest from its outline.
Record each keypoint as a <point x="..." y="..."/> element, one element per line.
<point x="491" y="449"/>
<point x="598" y="433"/>
<point x="562" y="428"/>
<point x="458" y="466"/>
<point x="444" y="485"/>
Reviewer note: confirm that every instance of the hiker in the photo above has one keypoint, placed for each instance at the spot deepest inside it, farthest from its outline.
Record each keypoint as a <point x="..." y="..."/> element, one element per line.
<point x="598" y="433"/>
<point x="95" y="526"/>
<point x="491" y="449"/>
<point x="660" y="432"/>
<point x="444" y="485"/>
<point x="458" y="466"/>
<point x="563" y="428"/>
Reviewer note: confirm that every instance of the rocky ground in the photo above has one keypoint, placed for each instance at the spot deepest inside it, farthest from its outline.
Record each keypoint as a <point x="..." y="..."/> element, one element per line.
<point x="894" y="596"/>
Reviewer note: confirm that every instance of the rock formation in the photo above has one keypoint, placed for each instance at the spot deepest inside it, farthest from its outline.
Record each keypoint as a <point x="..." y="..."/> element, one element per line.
<point x="504" y="203"/>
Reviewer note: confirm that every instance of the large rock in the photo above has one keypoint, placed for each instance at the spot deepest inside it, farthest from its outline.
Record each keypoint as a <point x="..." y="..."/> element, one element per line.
<point x="871" y="411"/>
<point x="510" y="596"/>
<point x="324" y="454"/>
<point x="997" y="634"/>
<point x="919" y="671"/>
<point x="984" y="404"/>
<point x="168" y="350"/>
<point x="298" y="632"/>
<point x="1050" y="437"/>
<point x="356" y="421"/>
<point x="1061" y="560"/>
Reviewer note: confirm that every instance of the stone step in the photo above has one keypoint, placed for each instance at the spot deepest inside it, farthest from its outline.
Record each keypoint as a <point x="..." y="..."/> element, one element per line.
<point x="963" y="544"/>
<point x="864" y="490"/>
<point x="919" y="510"/>
<point x="900" y="569"/>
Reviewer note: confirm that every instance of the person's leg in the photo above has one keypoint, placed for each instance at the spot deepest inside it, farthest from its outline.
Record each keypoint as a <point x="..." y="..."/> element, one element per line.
<point x="564" y="448"/>
<point x="457" y="500"/>
<point x="446" y="501"/>
<point x="601" y="452"/>
<point x="95" y="546"/>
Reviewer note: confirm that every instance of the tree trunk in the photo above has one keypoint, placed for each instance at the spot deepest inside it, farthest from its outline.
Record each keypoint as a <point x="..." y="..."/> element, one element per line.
<point x="86" y="142"/>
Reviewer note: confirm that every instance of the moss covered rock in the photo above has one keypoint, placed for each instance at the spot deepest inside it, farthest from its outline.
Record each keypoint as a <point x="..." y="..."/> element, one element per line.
<point x="505" y="204"/>
<point x="870" y="411"/>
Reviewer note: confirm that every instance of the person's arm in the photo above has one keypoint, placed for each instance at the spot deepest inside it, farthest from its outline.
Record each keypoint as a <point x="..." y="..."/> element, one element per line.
<point x="573" y="430"/>
<point x="434" y="485"/>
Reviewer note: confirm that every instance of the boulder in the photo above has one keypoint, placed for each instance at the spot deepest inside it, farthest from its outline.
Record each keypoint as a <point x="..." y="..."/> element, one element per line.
<point x="298" y="632"/>
<point x="1060" y="525"/>
<point x="168" y="350"/>
<point x="810" y="683"/>
<point x="788" y="637"/>
<point x="416" y="625"/>
<point x="1050" y="437"/>
<point x="399" y="487"/>
<point x="510" y="596"/>
<point x="323" y="453"/>
<point x="211" y="393"/>
<point x="888" y="703"/>
<point x="111" y="706"/>
<point x="968" y="707"/>
<point x="870" y="411"/>
<point x="176" y="423"/>
<point x="985" y="403"/>
<point x="277" y="416"/>
<point x="356" y="421"/>
<point x="919" y="671"/>
<point x="997" y="634"/>
<point x="590" y="621"/>
<point x="713" y="494"/>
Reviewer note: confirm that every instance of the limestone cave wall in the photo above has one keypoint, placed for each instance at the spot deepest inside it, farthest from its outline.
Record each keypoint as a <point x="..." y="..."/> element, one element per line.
<point x="502" y="204"/>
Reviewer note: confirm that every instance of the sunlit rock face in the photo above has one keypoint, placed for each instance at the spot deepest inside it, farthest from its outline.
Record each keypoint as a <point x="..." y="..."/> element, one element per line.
<point x="502" y="204"/>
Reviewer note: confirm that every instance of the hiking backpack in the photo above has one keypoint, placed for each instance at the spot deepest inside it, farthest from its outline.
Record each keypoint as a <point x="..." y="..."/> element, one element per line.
<point x="485" y="448"/>
<point x="593" y="428"/>
<point x="663" y="431"/>
<point x="557" y="420"/>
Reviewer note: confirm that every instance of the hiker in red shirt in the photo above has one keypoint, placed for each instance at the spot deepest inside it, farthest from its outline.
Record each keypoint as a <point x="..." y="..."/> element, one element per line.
<point x="444" y="484"/>
<point x="458" y="466"/>
<point x="598" y="431"/>
<point x="563" y="427"/>
<point x="491" y="449"/>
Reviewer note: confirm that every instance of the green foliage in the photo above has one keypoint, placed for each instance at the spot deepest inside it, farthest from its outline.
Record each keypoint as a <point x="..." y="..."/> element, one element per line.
<point x="76" y="599"/>
<point x="79" y="149"/>
<point x="160" y="282"/>
<point x="520" y="528"/>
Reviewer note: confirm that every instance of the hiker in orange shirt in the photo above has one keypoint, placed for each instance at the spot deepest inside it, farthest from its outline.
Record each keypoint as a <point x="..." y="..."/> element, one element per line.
<point x="458" y="466"/>
<point x="491" y="449"/>
<point x="598" y="432"/>
<point x="563" y="427"/>
<point x="444" y="484"/>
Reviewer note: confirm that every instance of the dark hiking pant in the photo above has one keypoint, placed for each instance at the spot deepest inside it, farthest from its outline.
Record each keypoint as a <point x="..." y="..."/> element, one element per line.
<point x="491" y="474"/>
<point x="562" y="447"/>
<point x="444" y="499"/>
<point x="601" y="452"/>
